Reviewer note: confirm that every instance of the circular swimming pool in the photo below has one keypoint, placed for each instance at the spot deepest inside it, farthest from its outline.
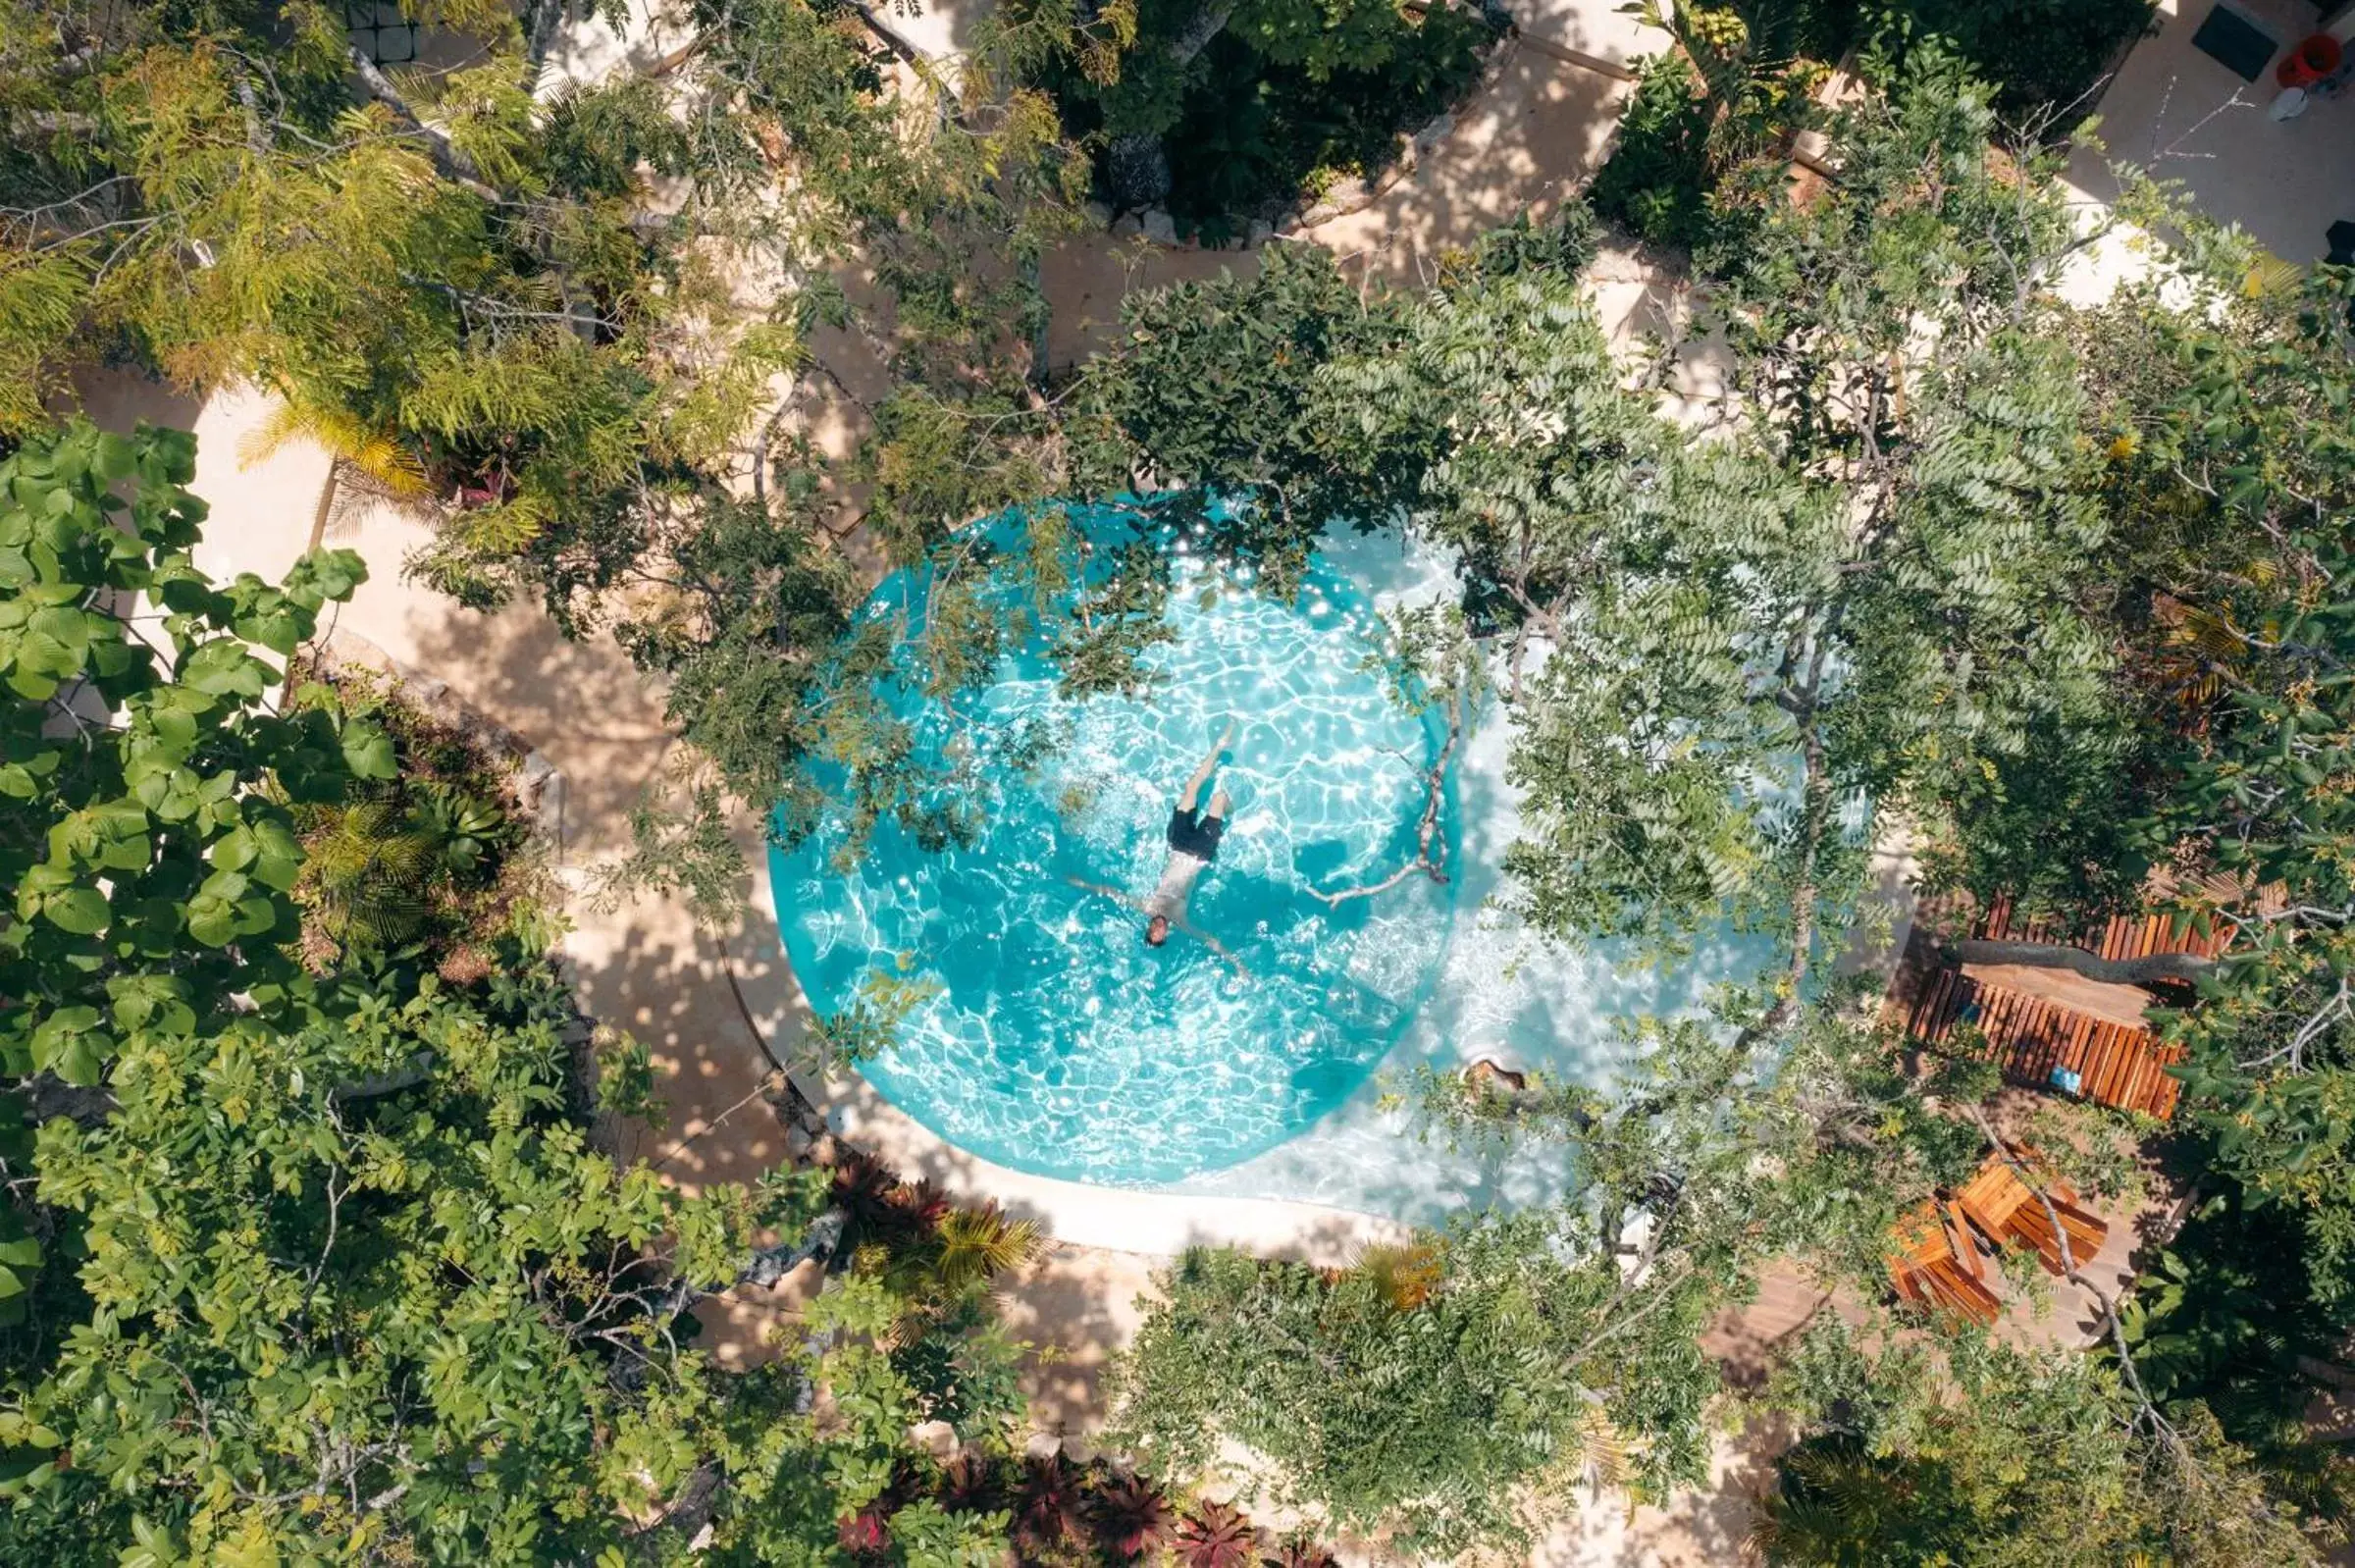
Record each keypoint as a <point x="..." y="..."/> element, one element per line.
<point x="1047" y="1035"/>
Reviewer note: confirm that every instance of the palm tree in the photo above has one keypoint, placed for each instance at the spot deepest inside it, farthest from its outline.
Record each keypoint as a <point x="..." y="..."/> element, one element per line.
<point x="981" y="1243"/>
<point x="368" y="457"/>
<point x="364" y="875"/>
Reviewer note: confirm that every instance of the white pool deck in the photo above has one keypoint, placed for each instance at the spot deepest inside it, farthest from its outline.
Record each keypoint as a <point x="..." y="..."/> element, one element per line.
<point x="2186" y="118"/>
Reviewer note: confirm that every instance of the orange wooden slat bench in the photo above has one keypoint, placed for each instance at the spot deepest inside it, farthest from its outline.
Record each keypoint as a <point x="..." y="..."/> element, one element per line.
<point x="2048" y="1044"/>
<point x="2003" y="1208"/>
<point x="1935" y="1265"/>
<point x="2121" y="938"/>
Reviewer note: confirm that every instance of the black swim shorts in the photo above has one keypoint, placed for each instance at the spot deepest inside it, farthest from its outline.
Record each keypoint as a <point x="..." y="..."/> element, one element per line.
<point x="1190" y="833"/>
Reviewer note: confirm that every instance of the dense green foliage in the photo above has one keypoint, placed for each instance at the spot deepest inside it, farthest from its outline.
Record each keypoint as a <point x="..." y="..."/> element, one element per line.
<point x="1717" y="115"/>
<point x="311" y="1252"/>
<point x="1226" y="111"/>
<point x="1436" y="1393"/>
<point x="1891" y="586"/>
<point x="1973" y="1452"/>
<point x="312" y="1255"/>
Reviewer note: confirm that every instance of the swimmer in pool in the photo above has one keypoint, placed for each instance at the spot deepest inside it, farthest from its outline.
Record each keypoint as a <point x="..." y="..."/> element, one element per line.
<point x="1194" y="844"/>
<point x="1193" y="839"/>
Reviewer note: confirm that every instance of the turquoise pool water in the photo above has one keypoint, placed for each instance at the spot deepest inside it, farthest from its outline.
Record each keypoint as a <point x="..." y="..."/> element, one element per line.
<point x="1053" y="1039"/>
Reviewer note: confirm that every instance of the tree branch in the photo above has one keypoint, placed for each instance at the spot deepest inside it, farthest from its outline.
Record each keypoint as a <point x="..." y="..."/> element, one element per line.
<point x="448" y="158"/>
<point x="2186" y="966"/>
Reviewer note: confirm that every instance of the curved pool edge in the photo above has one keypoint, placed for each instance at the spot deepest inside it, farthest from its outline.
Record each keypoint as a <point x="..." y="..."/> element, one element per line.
<point x="1139" y="1220"/>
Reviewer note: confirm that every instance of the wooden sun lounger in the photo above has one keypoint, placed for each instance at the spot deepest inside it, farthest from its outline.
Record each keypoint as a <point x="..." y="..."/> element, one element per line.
<point x="2117" y="1063"/>
<point x="1937" y="1266"/>
<point x="2001" y="1207"/>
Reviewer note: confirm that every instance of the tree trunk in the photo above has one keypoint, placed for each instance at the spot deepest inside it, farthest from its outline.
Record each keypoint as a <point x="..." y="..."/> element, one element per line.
<point x="2185" y="966"/>
<point x="1205" y="27"/>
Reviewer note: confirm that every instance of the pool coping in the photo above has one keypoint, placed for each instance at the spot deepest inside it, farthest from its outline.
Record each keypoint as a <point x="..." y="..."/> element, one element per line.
<point x="1115" y="1219"/>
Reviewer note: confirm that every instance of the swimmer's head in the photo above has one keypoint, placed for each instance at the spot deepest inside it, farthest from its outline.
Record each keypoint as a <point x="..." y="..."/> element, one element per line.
<point x="1157" y="931"/>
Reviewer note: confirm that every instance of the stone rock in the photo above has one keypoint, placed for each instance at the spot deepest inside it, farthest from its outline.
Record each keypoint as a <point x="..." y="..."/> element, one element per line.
<point x="1161" y="227"/>
<point x="1137" y="172"/>
<point x="1262" y="232"/>
<point x="1097" y="214"/>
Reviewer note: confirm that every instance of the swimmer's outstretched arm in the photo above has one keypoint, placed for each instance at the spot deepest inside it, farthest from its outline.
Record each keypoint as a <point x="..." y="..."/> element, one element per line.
<point x="1212" y="943"/>
<point x="1210" y="765"/>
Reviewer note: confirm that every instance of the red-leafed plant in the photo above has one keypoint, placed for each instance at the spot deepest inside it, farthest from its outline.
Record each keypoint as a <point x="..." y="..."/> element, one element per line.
<point x="1215" y="1536"/>
<point x="864" y="1534"/>
<point x="969" y="1483"/>
<point x="1299" y="1551"/>
<point x="1047" y="1504"/>
<point x="1131" y="1516"/>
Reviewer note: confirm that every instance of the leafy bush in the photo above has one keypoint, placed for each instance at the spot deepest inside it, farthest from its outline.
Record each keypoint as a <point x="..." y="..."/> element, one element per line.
<point x="1255" y="136"/>
<point x="1657" y="181"/>
<point x="2037" y="54"/>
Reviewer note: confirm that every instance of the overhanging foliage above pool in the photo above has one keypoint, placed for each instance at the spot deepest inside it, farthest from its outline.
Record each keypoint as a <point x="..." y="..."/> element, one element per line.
<point x="1045" y="1034"/>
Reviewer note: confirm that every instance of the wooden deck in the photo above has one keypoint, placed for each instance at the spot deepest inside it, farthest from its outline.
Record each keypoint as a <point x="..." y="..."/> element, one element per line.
<point x="2119" y="939"/>
<point x="2046" y="1044"/>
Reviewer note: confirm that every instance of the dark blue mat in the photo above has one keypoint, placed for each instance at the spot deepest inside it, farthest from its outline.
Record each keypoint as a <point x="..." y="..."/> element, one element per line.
<point x="2231" y="38"/>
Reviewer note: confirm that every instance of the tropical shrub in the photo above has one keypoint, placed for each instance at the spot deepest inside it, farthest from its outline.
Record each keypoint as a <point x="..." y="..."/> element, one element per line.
<point x="438" y="852"/>
<point x="1132" y="1517"/>
<point x="1223" y="113"/>
<point x="337" y="1232"/>
<point x="2042" y="57"/>
<point x="1660" y="173"/>
<point x="1970" y="1451"/>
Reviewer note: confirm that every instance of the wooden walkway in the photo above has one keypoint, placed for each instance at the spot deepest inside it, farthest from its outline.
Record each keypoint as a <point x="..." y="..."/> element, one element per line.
<point x="2046" y="1044"/>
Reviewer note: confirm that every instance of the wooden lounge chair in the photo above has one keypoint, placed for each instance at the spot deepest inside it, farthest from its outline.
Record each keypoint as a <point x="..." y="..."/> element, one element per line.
<point x="2000" y="1206"/>
<point x="2047" y="1045"/>
<point x="1936" y="1266"/>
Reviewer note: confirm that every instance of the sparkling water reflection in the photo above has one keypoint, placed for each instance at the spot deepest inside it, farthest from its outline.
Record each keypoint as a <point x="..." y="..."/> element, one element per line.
<point x="1055" y="1040"/>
